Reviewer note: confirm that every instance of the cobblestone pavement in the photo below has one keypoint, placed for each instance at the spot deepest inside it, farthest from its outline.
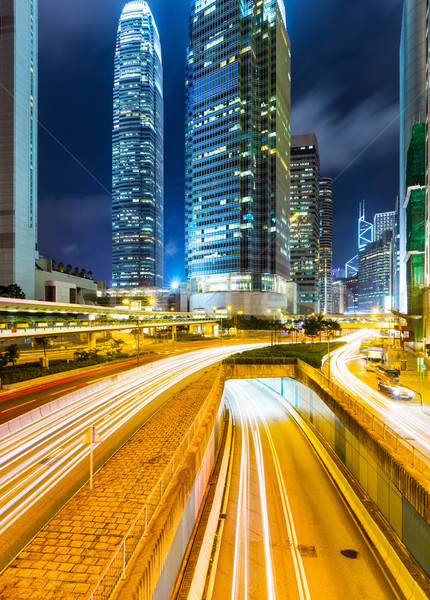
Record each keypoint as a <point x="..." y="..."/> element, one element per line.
<point x="66" y="558"/>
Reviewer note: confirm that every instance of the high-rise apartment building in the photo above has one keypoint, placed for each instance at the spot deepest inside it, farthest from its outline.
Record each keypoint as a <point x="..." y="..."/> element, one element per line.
<point x="383" y="222"/>
<point x="412" y="111"/>
<point x="237" y="155"/>
<point x="137" y="151"/>
<point x="18" y="143"/>
<point x="326" y="244"/>
<point x="305" y="219"/>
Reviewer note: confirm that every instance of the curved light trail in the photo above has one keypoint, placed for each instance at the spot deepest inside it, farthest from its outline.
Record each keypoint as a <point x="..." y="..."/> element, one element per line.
<point x="242" y="396"/>
<point x="35" y="458"/>
<point x="408" y="420"/>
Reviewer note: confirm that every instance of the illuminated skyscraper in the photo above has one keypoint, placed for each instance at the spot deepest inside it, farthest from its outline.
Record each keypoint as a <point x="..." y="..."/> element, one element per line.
<point x="18" y="143"/>
<point x="383" y="222"/>
<point x="326" y="244"/>
<point x="237" y="154"/>
<point x="412" y="110"/>
<point x="305" y="219"/>
<point x="137" y="151"/>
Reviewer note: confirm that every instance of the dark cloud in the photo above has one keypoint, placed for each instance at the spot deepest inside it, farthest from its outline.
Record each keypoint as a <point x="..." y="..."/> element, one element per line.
<point x="344" y="87"/>
<point x="343" y="135"/>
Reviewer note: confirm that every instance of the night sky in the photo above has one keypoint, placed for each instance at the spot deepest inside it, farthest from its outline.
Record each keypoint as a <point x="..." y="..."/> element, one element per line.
<point x="344" y="89"/>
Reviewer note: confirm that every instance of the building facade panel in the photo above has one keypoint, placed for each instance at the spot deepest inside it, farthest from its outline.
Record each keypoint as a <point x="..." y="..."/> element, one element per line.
<point x="326" y="244"/>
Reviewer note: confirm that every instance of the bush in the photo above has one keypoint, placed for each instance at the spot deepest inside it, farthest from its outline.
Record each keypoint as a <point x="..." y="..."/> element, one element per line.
<point x="309" y="353"/>
<point x="33" y="371"/>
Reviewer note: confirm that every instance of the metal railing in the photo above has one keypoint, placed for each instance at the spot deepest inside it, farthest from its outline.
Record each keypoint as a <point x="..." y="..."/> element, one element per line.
<point x="396" y="443"/>
<point x="115" y="571"/>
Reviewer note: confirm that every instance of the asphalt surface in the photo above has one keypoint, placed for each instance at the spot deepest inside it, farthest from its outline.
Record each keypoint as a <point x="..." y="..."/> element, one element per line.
<point x="288" y="533"/>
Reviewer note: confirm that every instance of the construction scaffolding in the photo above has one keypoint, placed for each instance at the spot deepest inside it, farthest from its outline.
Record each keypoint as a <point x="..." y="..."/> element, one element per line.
<point x="415" y="224"/>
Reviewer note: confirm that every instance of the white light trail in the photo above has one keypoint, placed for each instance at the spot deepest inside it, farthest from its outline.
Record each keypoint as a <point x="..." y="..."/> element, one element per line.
<point x="408" y="420"/>
<point x="40" y="455"/>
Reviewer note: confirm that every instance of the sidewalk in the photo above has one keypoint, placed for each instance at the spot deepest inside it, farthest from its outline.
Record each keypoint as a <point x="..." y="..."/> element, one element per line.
<point x="66" y="558"/>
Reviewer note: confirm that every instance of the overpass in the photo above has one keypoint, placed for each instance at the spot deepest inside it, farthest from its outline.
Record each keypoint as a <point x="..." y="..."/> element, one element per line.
<point x="32" y="318"/>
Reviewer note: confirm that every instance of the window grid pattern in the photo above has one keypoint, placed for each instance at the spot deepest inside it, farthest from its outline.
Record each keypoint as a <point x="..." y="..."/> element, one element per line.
<point x="137" y="151"/>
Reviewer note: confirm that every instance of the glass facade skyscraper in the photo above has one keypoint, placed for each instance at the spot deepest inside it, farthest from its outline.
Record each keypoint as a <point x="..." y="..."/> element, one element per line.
<point x="237" y="150"/>
<point x="18" y="143"/>
<point x="326" y="244"/>
<point x="137" y="151"/>
<point x="412" y="110"/>
<point x="305" y="219"/>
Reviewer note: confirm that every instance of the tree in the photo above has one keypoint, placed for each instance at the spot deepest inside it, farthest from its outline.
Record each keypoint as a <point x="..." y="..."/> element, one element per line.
<point x="69" y="268"/>
<point x="312" y="326"/>
<point x="76" y="271"/>
<point x="11" y="291"/>
<point x="60" y="267"/>
<point x="82" y="273"/>
<point x="11" y="354"/>
<point x="43" y="341"/>
<point x="90" y="274"/>
<point x="115" y="347"/>
<point x="332" y="326"/>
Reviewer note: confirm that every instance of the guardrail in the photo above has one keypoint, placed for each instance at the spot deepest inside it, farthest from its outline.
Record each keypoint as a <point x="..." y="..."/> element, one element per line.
<point x="115" y="571"/>
<point x="398" y="444"/>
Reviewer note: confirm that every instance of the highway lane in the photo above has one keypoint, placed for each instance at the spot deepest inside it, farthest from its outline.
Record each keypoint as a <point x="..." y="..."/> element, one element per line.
<point x="41" y="464"/>
<point x="406" y="418"/>
<point x="286" y="524"/>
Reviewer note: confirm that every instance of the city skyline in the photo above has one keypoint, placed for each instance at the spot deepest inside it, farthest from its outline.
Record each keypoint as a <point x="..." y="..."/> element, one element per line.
<point x="86" y="241"/>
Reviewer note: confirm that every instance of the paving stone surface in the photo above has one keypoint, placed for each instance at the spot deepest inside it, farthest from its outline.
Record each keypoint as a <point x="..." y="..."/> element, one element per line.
<point x="66" y="558"/>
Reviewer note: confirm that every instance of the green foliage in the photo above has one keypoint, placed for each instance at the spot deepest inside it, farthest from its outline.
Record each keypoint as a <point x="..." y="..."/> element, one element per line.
<point x="32" y="371"/>
<point x="310" y="353"/>
<point x="11" y="291"/>
<point x="42" y="340"/>
<point x="11" y="355"/>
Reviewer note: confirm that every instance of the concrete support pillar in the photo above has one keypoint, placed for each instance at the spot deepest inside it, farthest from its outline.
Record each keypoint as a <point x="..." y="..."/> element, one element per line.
<point x="191" y="328"/>
<point x="173" y="332"/>
<point x="91" y="341"/>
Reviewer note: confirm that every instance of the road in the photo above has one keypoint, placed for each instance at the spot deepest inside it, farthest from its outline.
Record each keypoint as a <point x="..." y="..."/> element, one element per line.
<point x="286" y="524"/>
<point x="16" y="403"/>
<point x="43" y="463"/>
<point x="406" y="418"/>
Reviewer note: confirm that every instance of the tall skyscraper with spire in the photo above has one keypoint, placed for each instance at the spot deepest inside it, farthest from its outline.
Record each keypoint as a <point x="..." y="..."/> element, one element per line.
<point x="238" y="154"/>
<point x="137" y="151"/>
<point x="18" y="143"/>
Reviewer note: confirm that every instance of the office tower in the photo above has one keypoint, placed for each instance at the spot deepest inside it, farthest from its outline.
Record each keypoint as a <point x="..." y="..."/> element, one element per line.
<point x="237" y="155"/>
<point x="383" y="222"/>
<point x="365" y="229"/>
<point x="305" y="219"/>
<point x="344" y="296"/>
<point x="137" y="151"/>
<point x="326" y="243"/>
<point x="374" y="275"/>
<point x="18" y="143"/>
<point x="412" y="111"/>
